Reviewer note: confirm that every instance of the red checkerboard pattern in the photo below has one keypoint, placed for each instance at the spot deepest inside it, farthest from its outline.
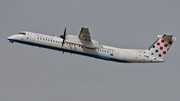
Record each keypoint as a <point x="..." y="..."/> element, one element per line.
<point x="160" y="48"/>
<point x="163" y="45"/>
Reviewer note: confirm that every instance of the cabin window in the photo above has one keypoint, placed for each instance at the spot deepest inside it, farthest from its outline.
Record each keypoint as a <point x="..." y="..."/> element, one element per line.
<point x="37" y="37"/>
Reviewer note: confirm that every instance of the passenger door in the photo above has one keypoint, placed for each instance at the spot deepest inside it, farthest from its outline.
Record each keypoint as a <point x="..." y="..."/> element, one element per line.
<point x="31" y="37"/>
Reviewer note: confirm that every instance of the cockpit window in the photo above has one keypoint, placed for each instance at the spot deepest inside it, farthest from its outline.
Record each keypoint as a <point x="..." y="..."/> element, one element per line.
<point x="22" y="33"/>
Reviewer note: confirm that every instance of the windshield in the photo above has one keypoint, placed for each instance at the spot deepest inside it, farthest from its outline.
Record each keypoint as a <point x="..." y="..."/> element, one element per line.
<point x="22" y="33"/>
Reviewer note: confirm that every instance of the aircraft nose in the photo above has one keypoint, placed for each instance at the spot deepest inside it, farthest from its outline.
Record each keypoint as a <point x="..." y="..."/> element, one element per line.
<point x="11" y="38"/>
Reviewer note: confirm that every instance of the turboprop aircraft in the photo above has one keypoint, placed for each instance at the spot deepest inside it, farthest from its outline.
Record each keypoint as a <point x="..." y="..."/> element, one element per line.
<point x="84" y="45"/>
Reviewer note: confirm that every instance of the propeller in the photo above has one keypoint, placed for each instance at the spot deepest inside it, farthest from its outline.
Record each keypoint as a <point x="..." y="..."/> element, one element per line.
<point x="63" y="37"/>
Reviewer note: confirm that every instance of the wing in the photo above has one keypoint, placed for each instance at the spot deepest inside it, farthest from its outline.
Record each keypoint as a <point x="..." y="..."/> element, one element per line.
<point x="84" y="34"/>
<point x="84" y="39"/>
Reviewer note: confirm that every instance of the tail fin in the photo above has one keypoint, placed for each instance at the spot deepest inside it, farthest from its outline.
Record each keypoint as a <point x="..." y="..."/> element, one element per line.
<point x="161" y="46"/>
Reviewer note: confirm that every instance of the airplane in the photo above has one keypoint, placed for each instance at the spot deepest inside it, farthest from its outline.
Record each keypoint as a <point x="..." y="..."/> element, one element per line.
<point x="84" y="45"/>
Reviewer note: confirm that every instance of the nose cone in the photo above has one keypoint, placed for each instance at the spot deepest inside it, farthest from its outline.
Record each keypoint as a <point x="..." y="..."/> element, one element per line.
<point x="11" y="38"/>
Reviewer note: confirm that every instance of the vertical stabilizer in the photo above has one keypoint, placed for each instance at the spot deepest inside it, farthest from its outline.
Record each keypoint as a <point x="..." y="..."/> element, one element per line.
<point x="161" y="46"/>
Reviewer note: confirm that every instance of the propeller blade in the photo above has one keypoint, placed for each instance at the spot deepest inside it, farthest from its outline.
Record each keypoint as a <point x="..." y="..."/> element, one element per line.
<point x="65" y="31"/>
<point x="63" y="42"/>
<point x="63" y="37"/>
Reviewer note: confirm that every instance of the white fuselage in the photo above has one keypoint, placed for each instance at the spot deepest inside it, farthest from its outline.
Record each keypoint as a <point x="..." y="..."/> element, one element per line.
<point x="105" y="53"/>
